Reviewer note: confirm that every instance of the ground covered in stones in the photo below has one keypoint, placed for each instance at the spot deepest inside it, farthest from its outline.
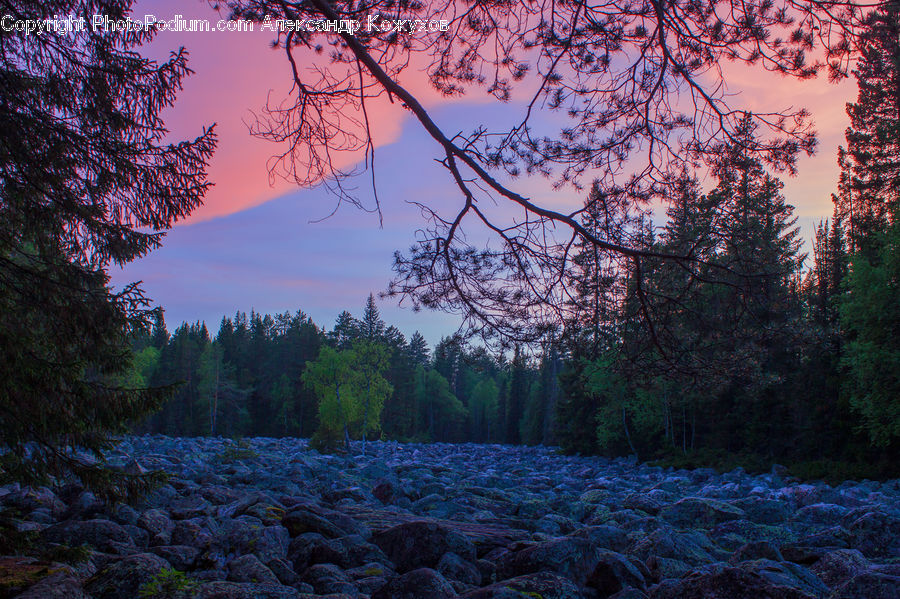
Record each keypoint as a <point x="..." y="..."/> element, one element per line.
<point x="273" y="519"/>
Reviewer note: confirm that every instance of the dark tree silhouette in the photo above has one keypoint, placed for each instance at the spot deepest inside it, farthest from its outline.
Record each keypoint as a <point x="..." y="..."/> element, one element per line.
<point x="86" y="180"/>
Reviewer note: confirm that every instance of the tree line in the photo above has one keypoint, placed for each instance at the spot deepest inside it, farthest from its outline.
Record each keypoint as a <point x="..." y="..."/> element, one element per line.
<point x="751" y="353"/>
<point x="734" y="347"/>
<point x="283" y="375"/>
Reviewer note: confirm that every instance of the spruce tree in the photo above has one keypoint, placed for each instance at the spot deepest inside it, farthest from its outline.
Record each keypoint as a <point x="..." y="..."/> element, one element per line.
<point x="868" y="310"/>
<point x="85" y="182"/>
<point x="872" y="158"/>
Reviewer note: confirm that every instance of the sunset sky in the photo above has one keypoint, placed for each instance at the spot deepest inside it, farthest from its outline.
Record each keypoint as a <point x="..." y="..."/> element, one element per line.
<point x="254" y="245"/>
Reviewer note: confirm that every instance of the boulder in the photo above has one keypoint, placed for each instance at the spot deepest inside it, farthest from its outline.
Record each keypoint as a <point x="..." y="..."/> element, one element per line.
<point x="248" y="568"/>
<point x="572" y="557"/>
<point x="182" y="557"/>
<point x="60" y="584"/>
<point x="691" y="547"/>
<point x="453" y="567"/>
<point x="876" y="534"/>
<point x="193" y="532"/>
<point x="245" y="590"/>
<point x="103" y="535"/>
<point x="756" y="550"/>
<point x="870" y="585"/>
<point x="421" y="583"/>
<point x="421" y="544"/>
<point x="839" y="566"/>
<point x="545" y="585"/>
<point x="124" y="577"/>
<point x="246" y="534"/>
<point x="347" y="552"/>
<point x="699" y="512"/>
<point x="190" y="506"/>
<point x="724" y="582"/>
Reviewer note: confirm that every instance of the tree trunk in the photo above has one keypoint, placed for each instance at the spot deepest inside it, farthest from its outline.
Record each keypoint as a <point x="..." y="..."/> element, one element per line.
<point x="627" y="434"/>
<point x="337" y="392"/>
<point x="366" y="415"/>
<point x="215" y="403"/>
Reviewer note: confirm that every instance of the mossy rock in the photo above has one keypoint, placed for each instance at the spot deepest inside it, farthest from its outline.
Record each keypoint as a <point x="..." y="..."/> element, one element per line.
<point x="19" y="573"/>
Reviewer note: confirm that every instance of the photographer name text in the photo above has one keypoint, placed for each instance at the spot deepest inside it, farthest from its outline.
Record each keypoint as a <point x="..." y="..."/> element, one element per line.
<point x="67" y="24"/>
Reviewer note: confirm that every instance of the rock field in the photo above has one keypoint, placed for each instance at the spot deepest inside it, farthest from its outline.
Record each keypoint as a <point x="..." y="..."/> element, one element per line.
<point x="273" y="519"/>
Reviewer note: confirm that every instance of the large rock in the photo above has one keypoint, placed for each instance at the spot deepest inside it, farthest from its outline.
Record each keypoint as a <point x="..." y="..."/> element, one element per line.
<point x="303" y="518"/>
<point x="763" y="511"/>
<point x="700" y="512"/>
<point x="104" y="535"/>
<point x="328" y="578"/>
<point x="573" y="558"/>
<point x="61" y="584"/>
<point x="421" y="544"/>
<point x="787" y="574"/>
<point x="245" y="590"/>
<point x="347" y="552"/>
<point x="869" y="585"/>
<point x="605" y="537"/>
<point x="422" y="583"/>
<point x="124" y="577"/>
<point x="724" y="582"/>
<point x="456" y="568"/>
<point x="691" y="547"/>
<point x="190" y="506"/>
<point x="578" y="560"/>
<point x="839" y="566"/>
<point x="248" y="568"/>
<point x="193" y="533"/>
<point x="35" y="579"/>
<point x="876" y="534"/>
<point x="615" y="572"/>
<point x="246" y="534"/>
<point x="182" y="557"/>
<point x="545" y="585"/>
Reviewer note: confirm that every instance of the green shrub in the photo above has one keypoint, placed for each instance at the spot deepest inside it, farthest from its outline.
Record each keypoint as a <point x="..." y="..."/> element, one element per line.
<point x="168" y="584"/>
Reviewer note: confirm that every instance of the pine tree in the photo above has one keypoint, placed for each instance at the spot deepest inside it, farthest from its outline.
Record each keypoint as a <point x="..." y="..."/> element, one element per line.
<point x="595" y="273"/>
<point x="871" y="315"/>
<point x="519" y="386"/>
<point x="418" y="349"/>
<point x="85" y="182"/>
<point x="371" y="327"/>
<point x="873" y="137"/>
<point x="346" y="330"/>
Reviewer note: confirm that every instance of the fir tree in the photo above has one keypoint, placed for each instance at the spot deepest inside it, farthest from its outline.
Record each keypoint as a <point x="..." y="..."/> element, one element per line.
<point x="873" y="137"/>
<point x="85" y="182"/>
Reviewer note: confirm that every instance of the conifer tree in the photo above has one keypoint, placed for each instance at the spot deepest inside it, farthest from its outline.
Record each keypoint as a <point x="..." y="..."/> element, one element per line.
<point x="871" y="208"/>
<point x="85" y="182"/>
<point x="872" y="157"/>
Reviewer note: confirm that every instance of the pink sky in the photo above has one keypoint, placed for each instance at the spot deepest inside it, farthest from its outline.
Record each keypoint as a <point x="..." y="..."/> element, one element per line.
<point x="235" y="72"/>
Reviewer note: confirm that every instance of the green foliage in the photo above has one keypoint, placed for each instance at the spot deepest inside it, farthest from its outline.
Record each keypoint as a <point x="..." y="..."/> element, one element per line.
<point x="870" y="190"/>
<point x="17" y="574"/>
<point x="66" y="554"/>
<point x="86" y="182"/>
<point x="870" y="314"/>
<point x="483" y="407"/>
<point x="168" y="584"/>
<point x="440" y="409"/>
<point x="331" y="376"/>
<point x="370" y="361"/>
<point x="238" y="450"/>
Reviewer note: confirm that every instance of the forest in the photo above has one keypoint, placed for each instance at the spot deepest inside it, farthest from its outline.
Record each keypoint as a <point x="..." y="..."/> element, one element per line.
<point x="709" y="335"/>
<point x="770" y="356"/>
